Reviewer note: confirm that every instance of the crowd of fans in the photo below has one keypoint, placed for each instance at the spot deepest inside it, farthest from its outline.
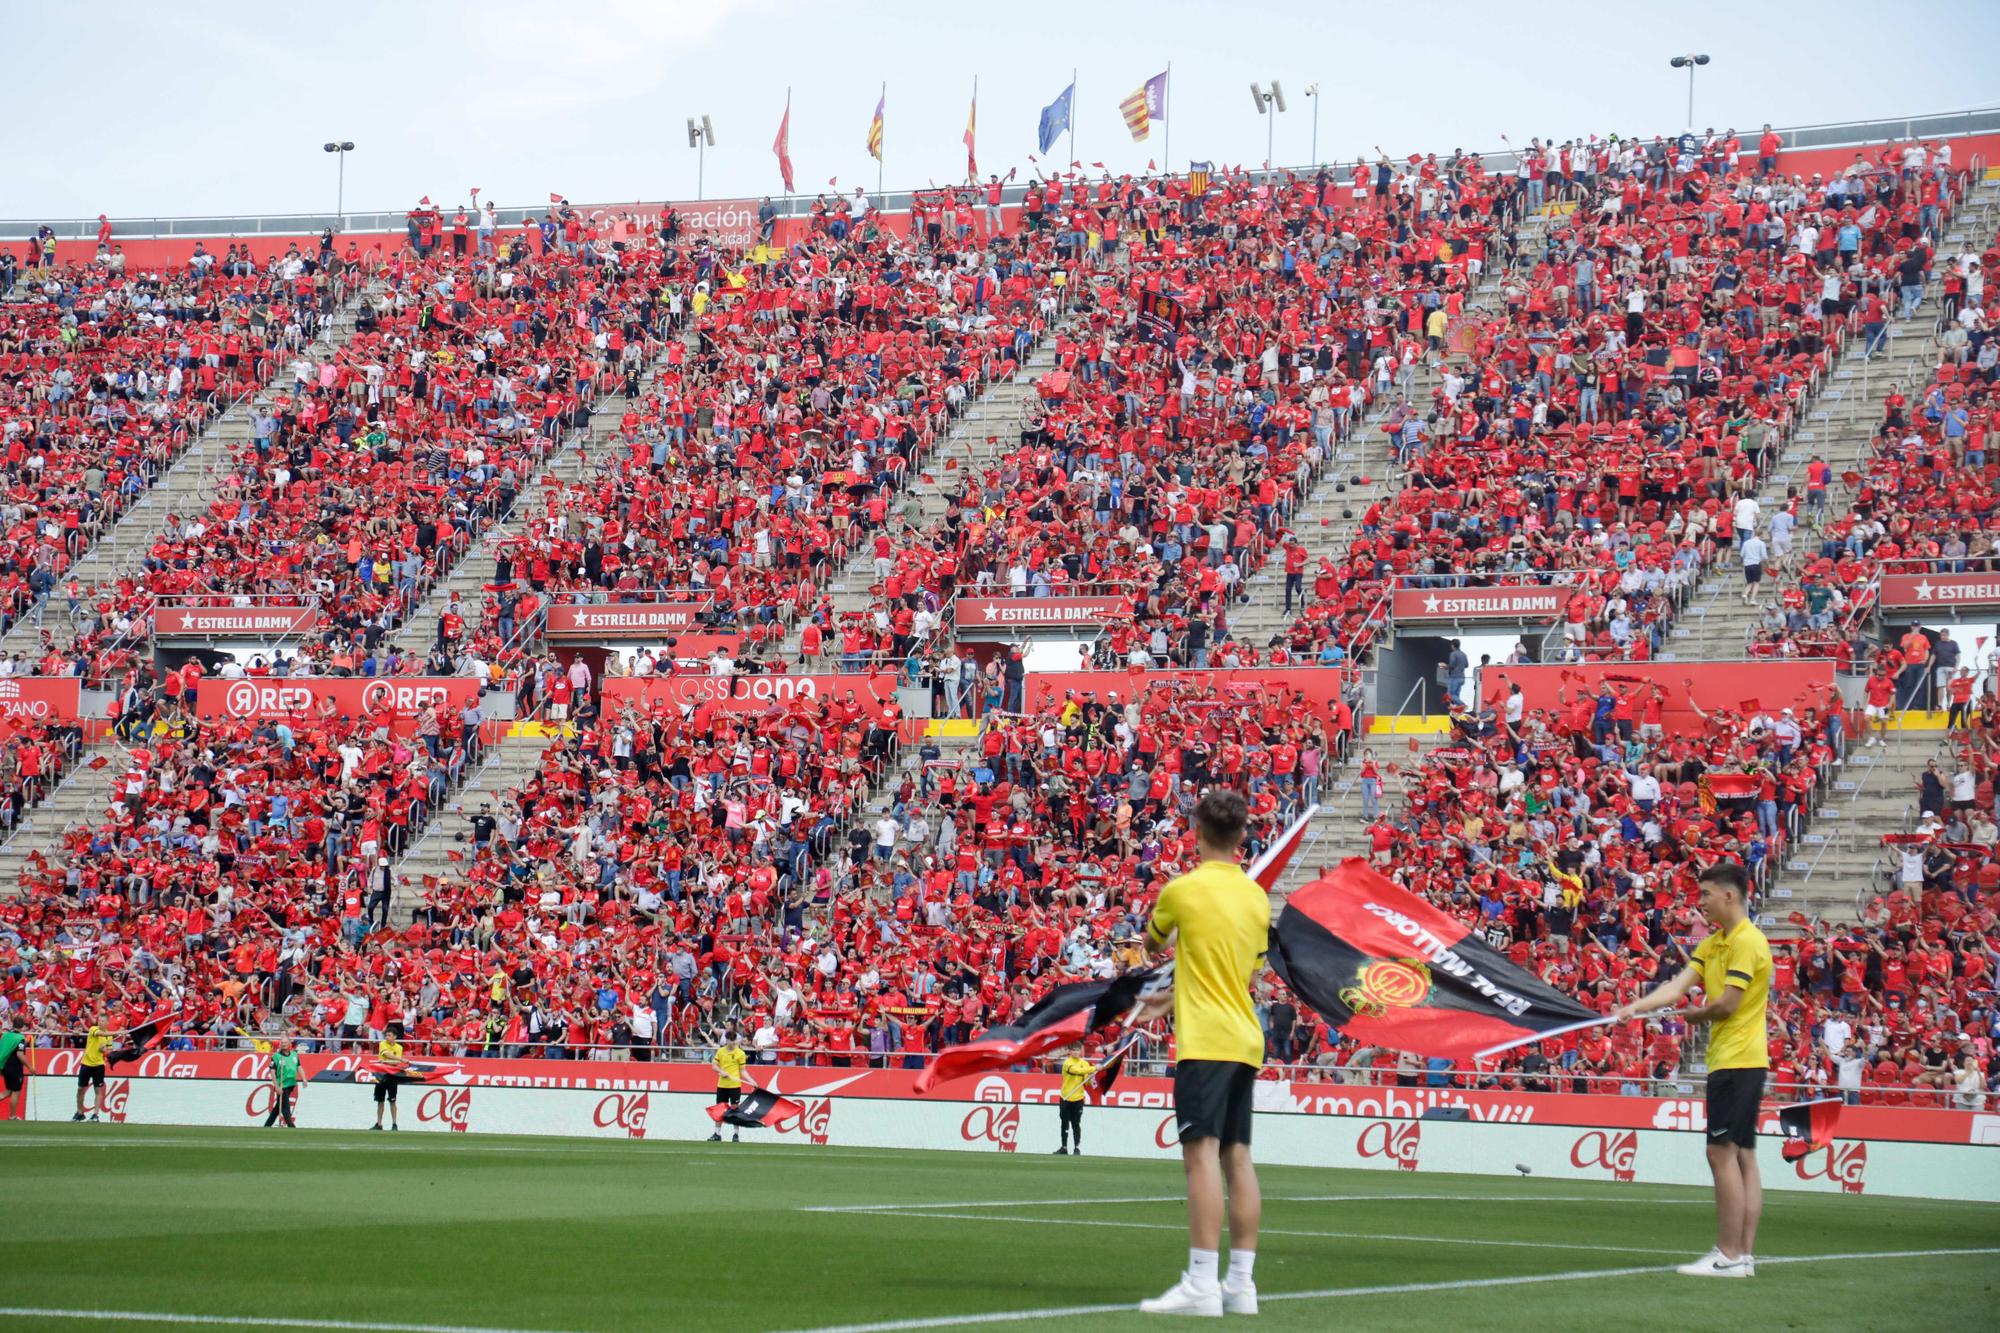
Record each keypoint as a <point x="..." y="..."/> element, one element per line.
<point x="797" y="872"/>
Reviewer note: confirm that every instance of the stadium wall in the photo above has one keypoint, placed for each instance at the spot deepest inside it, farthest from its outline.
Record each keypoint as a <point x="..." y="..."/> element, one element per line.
<point x="1650" y="1140"/>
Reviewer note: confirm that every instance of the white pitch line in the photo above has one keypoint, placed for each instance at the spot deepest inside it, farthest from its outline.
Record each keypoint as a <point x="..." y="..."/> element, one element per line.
<point x="243" y="1321"/>
<point x="1277" y="1231"/>
<point x="1342" y="1293"/>
<point x="1074" y="1200"/>
<point x="428" y="1140"/>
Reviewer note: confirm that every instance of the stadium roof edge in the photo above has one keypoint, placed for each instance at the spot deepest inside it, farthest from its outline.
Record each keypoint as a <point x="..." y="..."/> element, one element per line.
<point x="1835" y="134"/>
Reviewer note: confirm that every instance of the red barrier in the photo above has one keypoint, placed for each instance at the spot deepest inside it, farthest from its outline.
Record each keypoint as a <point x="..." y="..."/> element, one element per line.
<point x="976" y="614"/>
<point x="1769" y="685"/>
<point x="1952" y="592"/>
<point x="172" y="622"/>
<point x="31" y="699"/>
<point x="262" y="697"/>
<point x="751" y="694"/>
<point x="619" y="621"/>
<point x="1321" y="686"/>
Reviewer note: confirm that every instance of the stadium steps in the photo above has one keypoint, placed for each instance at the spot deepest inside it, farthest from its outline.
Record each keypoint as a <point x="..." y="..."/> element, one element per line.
<point x="186" y="487"/>
<point x="83" y="796"/>
<point x="988" y="429"/>
<point x="579" y="456"/>
<point x="507" y="766"/>
<point x="1338" y="831"/>
<point x="1839" y="427"/>
<point x="1328" y="517"/>
<point x="1837" y="864"/>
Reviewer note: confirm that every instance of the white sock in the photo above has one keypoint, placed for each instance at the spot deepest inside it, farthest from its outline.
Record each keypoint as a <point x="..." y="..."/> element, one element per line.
<point x="1201" y="1269"/>
<point x="1241" y="1262"/>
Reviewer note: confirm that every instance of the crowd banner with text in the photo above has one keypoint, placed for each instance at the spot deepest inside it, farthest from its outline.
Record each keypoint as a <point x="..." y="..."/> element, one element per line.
<point x="979" y="615"/>
<point x="261" y="698"/>
<point x="224" y="622"/>
<point x="618" y="621"/>
<point x="875" y="693"/>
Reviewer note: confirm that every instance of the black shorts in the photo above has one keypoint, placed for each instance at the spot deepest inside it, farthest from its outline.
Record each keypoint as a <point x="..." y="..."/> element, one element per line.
<point x="1212" y="1100"/>
<point x="89" y="1076"/>
<point x="385" y="1091"/>
<point x="1733" y="1098"/>
<point x="1070" y="1113"/>
<point x="728" y="1096"/>
<point x="13" y="1073"/>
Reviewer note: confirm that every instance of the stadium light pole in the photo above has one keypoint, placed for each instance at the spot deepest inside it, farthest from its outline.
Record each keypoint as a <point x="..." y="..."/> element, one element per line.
<point x="340" y="150"/>
<point x="1688" y="62"/>
<point x="1312" y="91"/>
<point x="1265" y="102"/>
<point x="701" y="137"/>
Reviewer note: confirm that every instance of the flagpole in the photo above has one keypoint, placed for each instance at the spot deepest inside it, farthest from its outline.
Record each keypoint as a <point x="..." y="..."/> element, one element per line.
<point x="1597" y="1022"/>
<point x="884" y="155"/>
<point x="1167" y="150"/>
<point x="788" y="151"/>
<point x="972" y="177"/>
<point x="1073" y="108"/>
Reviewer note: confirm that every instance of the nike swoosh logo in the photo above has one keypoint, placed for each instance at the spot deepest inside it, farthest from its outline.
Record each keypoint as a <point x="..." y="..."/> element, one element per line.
<point x="1718" y="1133"/>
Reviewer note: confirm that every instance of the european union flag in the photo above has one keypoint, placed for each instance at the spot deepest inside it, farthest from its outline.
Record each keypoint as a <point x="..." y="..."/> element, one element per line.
<point x="1055" y="118"/>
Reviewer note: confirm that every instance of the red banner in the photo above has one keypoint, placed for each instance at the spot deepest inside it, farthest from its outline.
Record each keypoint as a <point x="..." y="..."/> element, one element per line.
<point x="1320" y="685"/>
<point x="1769" y="685"/>
<point x="207" y="622"/>
<point x="751" y="694"/>
<point x="31" y="699"/>
<point x="1298" y="1097"/>
<point x="262" y="697"/>
<point x="975" y="614"/>
<point x="1951" y="591"/>
<point x="1542" y="602"/>
<point x="621" y="620"/>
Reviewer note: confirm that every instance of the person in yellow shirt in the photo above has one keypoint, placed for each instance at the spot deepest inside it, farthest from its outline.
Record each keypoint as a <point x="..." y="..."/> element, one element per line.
<point x="1076" y="1072"/>
<point x="90" y="1073"/>
<point x="1218" y="921"/>
<point x="389" y="1051"/>
<point x="1733" y="968"/>
<point x="729" y="1061"/>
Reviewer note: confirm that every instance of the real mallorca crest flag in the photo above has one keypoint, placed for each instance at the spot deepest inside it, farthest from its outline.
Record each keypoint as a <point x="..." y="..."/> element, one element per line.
<point x="1064" y="1016"/>
<point x="761" y="1109"/>
<point x="1388" y="969"/>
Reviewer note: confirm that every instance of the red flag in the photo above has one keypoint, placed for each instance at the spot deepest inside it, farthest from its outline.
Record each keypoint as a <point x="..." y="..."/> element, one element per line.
<point x="424" y="202"/>
<point x="555" y="198"/>
<point x="1067" y="1014"/>
<point x="783" y="146"/>
<point x="1151" y="165"/>
<point x="834" y="181"/>
<point x="1271" y="864"/>
<point x="1808" y="1126"/>
<point x="761" y="1109"/>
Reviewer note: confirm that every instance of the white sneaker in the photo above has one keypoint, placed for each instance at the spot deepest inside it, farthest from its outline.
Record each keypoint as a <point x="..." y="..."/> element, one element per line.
<point x="1749" y="1262"/>
<point x="1240" y="1300"/>
<point x="1184" y="1298"/>
<point x="1714" y="1264"/>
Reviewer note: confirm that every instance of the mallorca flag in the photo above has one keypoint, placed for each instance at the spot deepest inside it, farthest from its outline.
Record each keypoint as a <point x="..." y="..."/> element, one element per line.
<point x="756" y="1111"/>
<point x="1107" y="1073"/>
<point x="1064" y="1016"/>
<point x="143" y="1037"/>
<point x="1145" y="106"/>
<point x="1388" y="969"/>
<point x="783" y="147"/>
<point x="1197" y="177"/>
<point x="875" y="128"/>
<point x="1808" y="1126"/>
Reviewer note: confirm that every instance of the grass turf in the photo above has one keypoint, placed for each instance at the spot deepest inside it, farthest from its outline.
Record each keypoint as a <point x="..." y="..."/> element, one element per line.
<point x="543" y="1234"/>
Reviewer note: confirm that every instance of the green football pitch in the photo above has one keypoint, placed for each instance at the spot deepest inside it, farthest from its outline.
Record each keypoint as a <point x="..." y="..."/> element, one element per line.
<point x="118" y="1226"/>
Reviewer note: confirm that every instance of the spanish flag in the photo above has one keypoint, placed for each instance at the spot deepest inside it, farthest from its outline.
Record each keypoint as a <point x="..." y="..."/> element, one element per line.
<point x="1388" y="969"/>
<point x="875" y="126"/>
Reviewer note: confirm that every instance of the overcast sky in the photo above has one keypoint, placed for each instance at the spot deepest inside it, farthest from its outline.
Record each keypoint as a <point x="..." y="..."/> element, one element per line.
<point x="199" y="107"/>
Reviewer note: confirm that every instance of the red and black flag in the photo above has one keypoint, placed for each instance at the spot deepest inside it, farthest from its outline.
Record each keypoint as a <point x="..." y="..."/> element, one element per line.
<point x="1808" y="1126"/>
<point x="1388" y="969"/>
<point x="143" y="1037"/>
<point x="759" y="1110"/>
<point x="373" y="1069"/>
<point x="1064" y="1016"/>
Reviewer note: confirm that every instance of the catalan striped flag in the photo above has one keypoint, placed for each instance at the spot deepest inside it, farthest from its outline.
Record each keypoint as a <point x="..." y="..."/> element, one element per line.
<point x="875" y="128"/>
<point x="1197" y="177"/>
<point x="1144" y="106"/>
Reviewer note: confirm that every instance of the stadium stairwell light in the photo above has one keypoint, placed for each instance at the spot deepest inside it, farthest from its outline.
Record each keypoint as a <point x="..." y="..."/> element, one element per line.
<point x="340" y="150"/>
<point x="1265" y="104"/>
<point x="1688" y="63"/>
<point x="701" y="138"/>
